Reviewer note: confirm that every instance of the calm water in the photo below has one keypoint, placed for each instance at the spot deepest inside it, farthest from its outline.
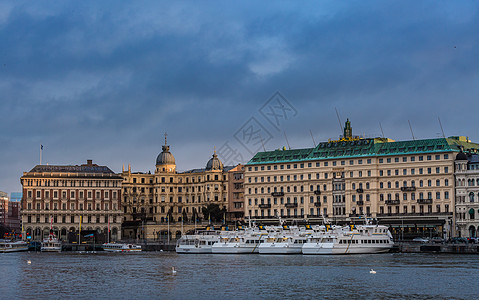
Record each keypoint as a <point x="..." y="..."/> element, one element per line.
<point x="148" y="275"/>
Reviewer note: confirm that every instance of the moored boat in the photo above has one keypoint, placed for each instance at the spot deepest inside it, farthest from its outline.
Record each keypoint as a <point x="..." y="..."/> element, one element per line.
<point x="240" y="242"/>
<point x="11" y="246"/>
<point x="360" y="239"/>
<point x="52" y="243"/>
<point x="201" y="242"/>
<point x="119" y="247"/>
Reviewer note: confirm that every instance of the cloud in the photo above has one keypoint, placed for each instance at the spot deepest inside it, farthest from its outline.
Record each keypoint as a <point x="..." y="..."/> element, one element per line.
<point x="105" y="80"/>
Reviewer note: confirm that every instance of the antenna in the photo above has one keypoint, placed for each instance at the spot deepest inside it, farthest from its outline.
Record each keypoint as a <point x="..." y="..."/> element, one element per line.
<point x="339" y="119"/>
<point x="382" y="132"/>
<point x="410" y="127"/>
<point x="442" y="130"/>
<point x="262" y="143"/>
<point x="289" y="148"/>
<point x="314" y="143"/>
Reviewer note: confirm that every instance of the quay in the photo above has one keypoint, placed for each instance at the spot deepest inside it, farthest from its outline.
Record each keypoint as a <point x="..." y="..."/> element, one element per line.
<point x="399" y="247"/>
<point x="145" y="246"/>
<point x="411" y="247"/>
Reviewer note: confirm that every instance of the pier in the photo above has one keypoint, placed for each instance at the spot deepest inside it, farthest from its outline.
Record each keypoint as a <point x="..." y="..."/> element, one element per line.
<point x="411" y="247"/>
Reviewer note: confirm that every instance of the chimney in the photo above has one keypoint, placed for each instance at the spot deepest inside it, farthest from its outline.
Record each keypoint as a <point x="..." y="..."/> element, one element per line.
<point x="89" y="162"/>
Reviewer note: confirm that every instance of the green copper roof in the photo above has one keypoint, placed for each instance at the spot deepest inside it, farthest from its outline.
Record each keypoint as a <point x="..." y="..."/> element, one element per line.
<point x="364" y="148"/>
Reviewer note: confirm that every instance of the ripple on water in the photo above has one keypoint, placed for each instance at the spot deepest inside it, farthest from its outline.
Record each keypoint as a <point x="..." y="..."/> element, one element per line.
<point x="148" y="275"/>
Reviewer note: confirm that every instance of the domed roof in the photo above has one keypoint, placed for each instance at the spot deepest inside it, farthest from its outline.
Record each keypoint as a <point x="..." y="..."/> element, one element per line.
<point x="214" y="163"/>
<point x="165" y="157"/>
<point x="461" y="156"/>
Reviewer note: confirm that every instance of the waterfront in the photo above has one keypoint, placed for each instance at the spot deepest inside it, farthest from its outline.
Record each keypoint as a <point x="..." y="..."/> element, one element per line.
<point x="148" y="275"/>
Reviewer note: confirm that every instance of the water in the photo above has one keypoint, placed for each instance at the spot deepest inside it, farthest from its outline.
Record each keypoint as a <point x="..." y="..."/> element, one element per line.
<point x="148" y="275"/>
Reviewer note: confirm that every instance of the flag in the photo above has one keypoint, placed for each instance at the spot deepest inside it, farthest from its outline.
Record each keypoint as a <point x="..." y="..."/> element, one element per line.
<point x="80" y="223"/>
<point x="41" y="147"/>
<point x="108" y="224"/>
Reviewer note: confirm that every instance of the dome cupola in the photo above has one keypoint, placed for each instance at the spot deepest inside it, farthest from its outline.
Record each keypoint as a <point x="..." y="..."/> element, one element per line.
<point x="214" y="163"/>
<point x="165" y="157"/>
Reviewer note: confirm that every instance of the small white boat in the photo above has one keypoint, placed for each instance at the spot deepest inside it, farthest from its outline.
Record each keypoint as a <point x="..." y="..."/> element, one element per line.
<point x="10" y="246"/>
<point x="198" y="243"/>
<point x="52" y="243"/>
<point x="118" y="247"/>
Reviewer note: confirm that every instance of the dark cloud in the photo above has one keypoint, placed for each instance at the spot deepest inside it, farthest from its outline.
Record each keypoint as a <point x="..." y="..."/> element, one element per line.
<point x="106" y="80"/>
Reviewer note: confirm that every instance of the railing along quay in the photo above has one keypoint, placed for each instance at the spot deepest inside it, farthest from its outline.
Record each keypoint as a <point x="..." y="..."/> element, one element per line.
<point x="416" y="247"/>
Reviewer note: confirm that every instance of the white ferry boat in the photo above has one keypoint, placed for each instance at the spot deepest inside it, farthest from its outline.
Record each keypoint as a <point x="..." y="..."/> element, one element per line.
<point x="118" y="247"/>
<point x="286" y="241"/>
<point x="51" y="244"/>
<point x="360" y="239"/>
<point x="10" y="246"/>
<point x="201" y="242"/>
<point x="240" y="242"/>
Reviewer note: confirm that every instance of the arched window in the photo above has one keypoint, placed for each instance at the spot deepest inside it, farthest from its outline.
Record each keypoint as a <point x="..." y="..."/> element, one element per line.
<point x="472" y="231"/>
<point x="471" y="197"/>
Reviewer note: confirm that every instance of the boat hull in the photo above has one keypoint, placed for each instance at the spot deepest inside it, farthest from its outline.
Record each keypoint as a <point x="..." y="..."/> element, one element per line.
<point x="330" y="248"/>
<point x="8" y="250"/>
<point x="267" y="248"/>
<point x="233" y="249"/>
<point x="318" y="248"/>
<point x="51" y="249"/>
<point x="193" y="250"/>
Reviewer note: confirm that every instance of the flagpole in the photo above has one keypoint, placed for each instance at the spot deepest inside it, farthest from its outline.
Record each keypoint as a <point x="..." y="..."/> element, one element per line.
<point x="79" y="232"/>
<point x="108" y="232"/>
<point x="41" y="150"/>
<point x="168" y="219"/>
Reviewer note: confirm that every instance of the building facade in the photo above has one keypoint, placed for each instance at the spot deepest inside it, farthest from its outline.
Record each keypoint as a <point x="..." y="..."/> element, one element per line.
<point x="408" y="185"/>
<point x="74" y="199"/>
<point x="154" y="203"/>
<point x="3" y="207"/>
<point x="236" y="194"/>
<point x="467" y="194"/>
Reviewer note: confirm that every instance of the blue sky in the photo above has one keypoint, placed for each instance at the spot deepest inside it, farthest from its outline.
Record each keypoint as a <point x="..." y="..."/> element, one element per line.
<point x="104" y="80"/>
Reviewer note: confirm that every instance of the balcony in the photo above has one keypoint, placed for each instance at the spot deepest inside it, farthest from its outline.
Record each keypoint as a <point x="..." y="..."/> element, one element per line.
<point x="408" y="189"/>
<point x="424" y="201"/>
<point x="291" y="205"/>
<point x="392" y="202"/>
<point x="265" y="206"/>
<point x="317" y="204"/>
<point x="360" y="202"/>
<point x="359" y="190"/>
<point x="277" y="194"/>
<point x="317" y="192"/>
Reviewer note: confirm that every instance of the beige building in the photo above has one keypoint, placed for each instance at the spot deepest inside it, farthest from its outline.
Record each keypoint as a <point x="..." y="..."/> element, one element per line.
<point x="236" y="194"/>
<point x="69" y="197"/>
<point x="169" y="200"/>
<point x="467" y="194"/>
<point x="408" y="185"/>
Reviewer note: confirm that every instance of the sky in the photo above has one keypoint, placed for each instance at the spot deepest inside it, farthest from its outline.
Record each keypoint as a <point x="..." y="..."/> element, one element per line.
<point x="104" y="80"/>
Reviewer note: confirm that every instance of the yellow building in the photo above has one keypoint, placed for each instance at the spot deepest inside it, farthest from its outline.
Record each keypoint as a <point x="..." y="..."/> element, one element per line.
<point x="67" y="197"/>
<point x="408" y="185"/>
<point x="151" y="201"/>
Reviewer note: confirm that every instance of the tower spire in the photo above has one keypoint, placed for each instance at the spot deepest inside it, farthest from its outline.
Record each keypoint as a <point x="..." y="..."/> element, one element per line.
<point x="165" y="137"/>
<point x="348" y="131"/>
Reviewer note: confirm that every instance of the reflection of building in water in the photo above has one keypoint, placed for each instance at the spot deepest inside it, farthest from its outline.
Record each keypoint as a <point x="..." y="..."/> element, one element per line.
<point x="69" y="195"/>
